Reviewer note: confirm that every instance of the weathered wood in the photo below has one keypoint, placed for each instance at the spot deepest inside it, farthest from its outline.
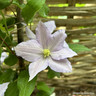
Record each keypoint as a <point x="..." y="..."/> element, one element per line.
<point x="84" y="65"/>
<point x="72" y="22"/>
<point x="85" y="30"/>
<point x="66" y="1"/>
<point x="78" y="11"/>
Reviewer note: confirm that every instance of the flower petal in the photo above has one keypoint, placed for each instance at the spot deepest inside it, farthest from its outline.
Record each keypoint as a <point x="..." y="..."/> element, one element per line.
<point x="29" y="33"/>
<point x="57" y="40"/>
<point x="65" y="44"/>
<point x="42" y="34"/>
<point x="50" y="25"/>
<point x="29" y="50"/>
<point x="3" y="88"/>
<point x="63" y="53"/>
<point x="60" y="65"/>
<point x="36" y="67"/>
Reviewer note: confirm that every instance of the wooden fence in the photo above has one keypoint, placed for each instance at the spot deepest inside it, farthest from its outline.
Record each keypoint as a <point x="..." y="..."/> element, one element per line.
<point x="81" y="27"/>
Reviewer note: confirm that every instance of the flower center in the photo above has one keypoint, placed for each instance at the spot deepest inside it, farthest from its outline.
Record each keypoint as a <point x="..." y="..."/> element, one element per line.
<point x="46" y="52"/>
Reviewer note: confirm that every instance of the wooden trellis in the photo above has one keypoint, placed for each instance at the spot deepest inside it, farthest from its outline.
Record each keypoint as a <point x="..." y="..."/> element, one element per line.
<point x="80" y="26"/>
<point x="84" y="65"/>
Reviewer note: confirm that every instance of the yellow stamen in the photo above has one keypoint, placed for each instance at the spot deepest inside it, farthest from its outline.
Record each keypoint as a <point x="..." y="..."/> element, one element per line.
<point x="46" y="52"/>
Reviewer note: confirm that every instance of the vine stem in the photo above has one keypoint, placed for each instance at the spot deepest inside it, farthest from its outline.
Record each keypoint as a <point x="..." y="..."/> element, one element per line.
<point x="8" y="46"/>
<point x="4" y="19"/>
<point x="7" y="34"/>
<point x="20" y="33"/>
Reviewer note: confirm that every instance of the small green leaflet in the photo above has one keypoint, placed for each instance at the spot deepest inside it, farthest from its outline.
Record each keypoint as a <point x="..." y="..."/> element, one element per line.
<point x="7" y="76"/>
<point x="9" y="21"/>
<point x="12" y="90"/>
<point x="44" y="11"/>
<point x="6" y="38"/>
<point x="25" y="88"/>
<point x="31" y="8"/>
<point x="4" y="3"/>
<point x="78" y="47"/>
<point x="11" y="60"/>
<point x="44" y="89"/>
<point x="51" y="74"/>
<point x="42" y="93"/>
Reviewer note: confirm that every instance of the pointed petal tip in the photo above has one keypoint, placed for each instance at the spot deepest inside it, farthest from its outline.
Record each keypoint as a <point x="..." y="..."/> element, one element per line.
<point x="40" y="22"/>
<point x="30" y="78"/>
<point x="36" y="67"/>
<point x="68" y="71"/>
<point x="3" y="88"/>
<point x="63" y="66"/>
<point x="75" y="54"/>
<point x="24" y="24"/>
<point x="64" y="33"/>
<point x="63" y="54"/>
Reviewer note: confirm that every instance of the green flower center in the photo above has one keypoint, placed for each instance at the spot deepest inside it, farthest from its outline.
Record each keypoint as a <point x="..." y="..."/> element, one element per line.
<point x="46" y="52"/>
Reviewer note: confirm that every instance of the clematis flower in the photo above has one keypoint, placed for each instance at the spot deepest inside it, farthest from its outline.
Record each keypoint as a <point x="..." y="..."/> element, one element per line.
<point x="46" y="49"/>
<point x="3" y="88"/>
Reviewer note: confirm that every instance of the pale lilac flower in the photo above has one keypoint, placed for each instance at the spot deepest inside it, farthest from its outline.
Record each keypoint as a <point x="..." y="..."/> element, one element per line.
<point x="4" y="55"/>
<point x="3" y="88"/>
<point x="46" y="49"/>
<point x="53" y="94"/>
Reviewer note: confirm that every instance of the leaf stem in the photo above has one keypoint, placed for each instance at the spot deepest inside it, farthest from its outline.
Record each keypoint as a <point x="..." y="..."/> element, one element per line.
<point x="6" y="27"/>
<point x="4" y="22"/>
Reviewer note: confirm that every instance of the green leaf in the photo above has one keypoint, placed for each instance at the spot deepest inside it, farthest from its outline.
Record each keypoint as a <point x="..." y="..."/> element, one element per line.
<point x="15" y="2"/>
<point x="43" y="87"/>
<point x="0" y="51"/>
<point x="6" y="38"/>
<point x="44" y="11"/>
<point x="4" y="3"/>
<point x="31" y="8"/>
<point x="51" y="74"/>
<point x="12" y="90"/>
<point x="11" y="60"/>
<point x="42" y="93"/>
<point x="9" y="21"/>
<point x="78" y="47"/>
<point x="25" y="88"/>
<point x="7" y="76"/>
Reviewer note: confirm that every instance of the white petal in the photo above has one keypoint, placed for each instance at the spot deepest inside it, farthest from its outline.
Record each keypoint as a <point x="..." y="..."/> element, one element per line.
<point x="36" y="67"/>
<point x="53" y="94"/>
<point x="63" y="53"/>
<point x="57" y="40"/>
<point x="65" y="44"/>
<point x="29" y="33"/>
<point x="50" y="25"/>
<point x="60" y="65"/>
<point x="42" y="34"/>
<point x="3" y="88"/>
<point x="29" y="50"/>
<point x="4" y="55"/>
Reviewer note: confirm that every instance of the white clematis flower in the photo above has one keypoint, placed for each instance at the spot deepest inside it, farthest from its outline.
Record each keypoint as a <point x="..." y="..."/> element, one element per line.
<point x="46" y="49"/>
<point x="3" y="88"/>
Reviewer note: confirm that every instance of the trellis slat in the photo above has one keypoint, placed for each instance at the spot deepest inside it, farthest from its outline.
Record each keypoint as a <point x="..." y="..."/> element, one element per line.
<point x="75" y="11"/>
<point x="73" y="22"/>
<point x="66" y="1"/>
